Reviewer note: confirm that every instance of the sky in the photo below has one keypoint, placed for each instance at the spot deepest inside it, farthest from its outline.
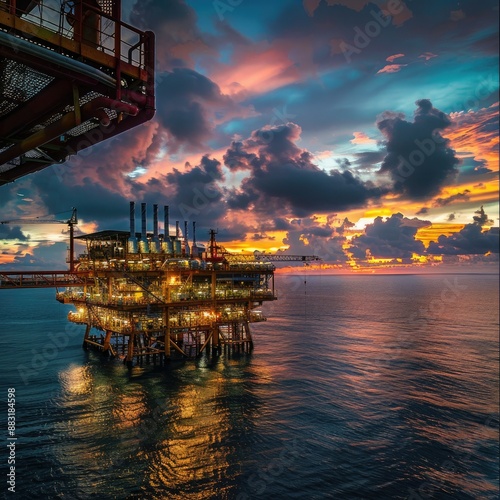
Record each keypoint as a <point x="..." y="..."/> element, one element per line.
<point x="363" y="132"/>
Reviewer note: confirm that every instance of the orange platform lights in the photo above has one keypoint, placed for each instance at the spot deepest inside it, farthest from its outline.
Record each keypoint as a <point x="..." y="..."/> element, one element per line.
<point x="72" y="75"/>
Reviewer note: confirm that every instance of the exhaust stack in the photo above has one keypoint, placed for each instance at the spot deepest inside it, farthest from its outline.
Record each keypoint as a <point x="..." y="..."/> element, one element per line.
<point x="155" y="243"/>
<point x="144" y="236"/>
<point x="167" y="242"/>
<point x="186" y="242"/>
<point x="177" y="243"/>
<point x="166" y="222"/>
<point x="132" y="240"/>
<point x="194" y="248"/>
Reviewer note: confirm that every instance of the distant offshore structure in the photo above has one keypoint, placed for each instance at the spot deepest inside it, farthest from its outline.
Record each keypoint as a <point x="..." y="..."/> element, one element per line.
<point x="152" y="296"/>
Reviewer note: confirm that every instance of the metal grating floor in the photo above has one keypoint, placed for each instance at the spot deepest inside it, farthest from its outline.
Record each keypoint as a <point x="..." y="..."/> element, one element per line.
<point x="18" y="84"/>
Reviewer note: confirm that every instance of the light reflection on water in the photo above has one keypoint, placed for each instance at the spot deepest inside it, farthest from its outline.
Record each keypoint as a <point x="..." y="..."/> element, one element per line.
<point x="358" y="387"/>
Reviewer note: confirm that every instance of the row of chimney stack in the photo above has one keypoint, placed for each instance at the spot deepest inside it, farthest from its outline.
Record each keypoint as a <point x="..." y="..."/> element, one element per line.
<point x="171" y="245"/>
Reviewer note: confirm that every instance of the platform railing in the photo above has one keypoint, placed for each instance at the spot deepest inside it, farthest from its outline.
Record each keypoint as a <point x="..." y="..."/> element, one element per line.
<point x="82" y="22"/>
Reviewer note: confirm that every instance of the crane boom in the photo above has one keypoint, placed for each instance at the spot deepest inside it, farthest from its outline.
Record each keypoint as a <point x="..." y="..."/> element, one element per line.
<point x="73" y="220"/>
<point x="286" y="258"/>
<point x="261" y="257"/>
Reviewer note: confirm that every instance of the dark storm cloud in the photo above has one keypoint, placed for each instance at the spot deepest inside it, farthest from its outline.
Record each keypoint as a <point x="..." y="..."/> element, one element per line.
<point x="188" y="104"/>
<point x="283" y="177"/>
<point x="367" y="161"/>
<point x="259" y="237"/>
<point x="47" y="256"/>
<point x="346" y="224"/>
<point x="471" y="168"/>
<point x="481" y="218"/>
<point x="469" y="240"/>
<point x="441" y="202"/>
<point x="392" y="238"/>
<point x="175" y="26"/>
<point x="12" y="233"/>
<point x="280" y="224"/>
<point x="94" y="201"/>
<point x="196" y="195"/>
<point x="419" y="160"/>
<point x="423" y="211"/>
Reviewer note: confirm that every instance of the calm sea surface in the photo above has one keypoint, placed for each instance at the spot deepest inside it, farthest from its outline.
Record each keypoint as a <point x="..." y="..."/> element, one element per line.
<point x="359" y="387"/>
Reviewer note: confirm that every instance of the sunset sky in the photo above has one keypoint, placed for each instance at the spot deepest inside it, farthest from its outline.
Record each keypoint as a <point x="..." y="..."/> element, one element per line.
<point x="364" y="132"/>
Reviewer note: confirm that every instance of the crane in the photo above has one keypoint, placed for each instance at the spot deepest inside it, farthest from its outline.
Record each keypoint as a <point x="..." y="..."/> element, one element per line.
<point x="218" y="253"/>
<point x="71" y="222"/>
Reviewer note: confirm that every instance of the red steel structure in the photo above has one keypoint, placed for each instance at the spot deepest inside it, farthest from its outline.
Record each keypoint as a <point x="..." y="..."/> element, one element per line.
<point x="72" y="75"/>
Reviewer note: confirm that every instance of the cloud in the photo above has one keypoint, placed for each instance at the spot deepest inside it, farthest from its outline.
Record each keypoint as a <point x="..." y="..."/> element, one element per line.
<point x="94" y="201"/>
<point x="391" y="68"/>
<point x="393" y="57"/>
<point x="392" y="238"/>
<point x="196" y="194"/>
<point x="313" y="239"/>
<point x="367" y="162"/>
<point x="419" y="160"/>
<point x="12" y="233"/>
<point x="475" y="132"/>
<point x="441" y="202"/>
<point x="47" y="256"/>
<point x="427" y="56"/>
<point x="189" y="107"/>
<point x="283" y="180"/>
<point x="423" y="211"/>
<point x="469" y="240"/>
<point x="362" y="138"/>
<point x="175" y="26"/>
<point x="481" y="218"/>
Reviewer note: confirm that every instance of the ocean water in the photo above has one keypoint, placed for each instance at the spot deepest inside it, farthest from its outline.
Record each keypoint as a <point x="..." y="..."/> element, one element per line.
<point x="359" y="387"/>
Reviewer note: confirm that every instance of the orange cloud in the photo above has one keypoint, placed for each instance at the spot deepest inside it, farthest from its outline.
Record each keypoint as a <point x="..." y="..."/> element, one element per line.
<point x="391" y="68"/>
<point x="472" y="136"/>
<point x="362" y="138"/>
<point x="256" y="72"/>
<point x="431" y="233"/>
<point x="393" y="57"/>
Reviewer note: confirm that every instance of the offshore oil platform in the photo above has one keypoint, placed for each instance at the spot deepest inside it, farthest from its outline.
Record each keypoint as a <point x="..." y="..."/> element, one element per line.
<point x="147" y="297"/>
<point x="73" y="74"/>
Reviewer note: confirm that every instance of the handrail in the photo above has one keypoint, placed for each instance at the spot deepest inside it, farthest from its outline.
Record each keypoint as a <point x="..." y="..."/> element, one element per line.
<point x="63" y="23"/>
